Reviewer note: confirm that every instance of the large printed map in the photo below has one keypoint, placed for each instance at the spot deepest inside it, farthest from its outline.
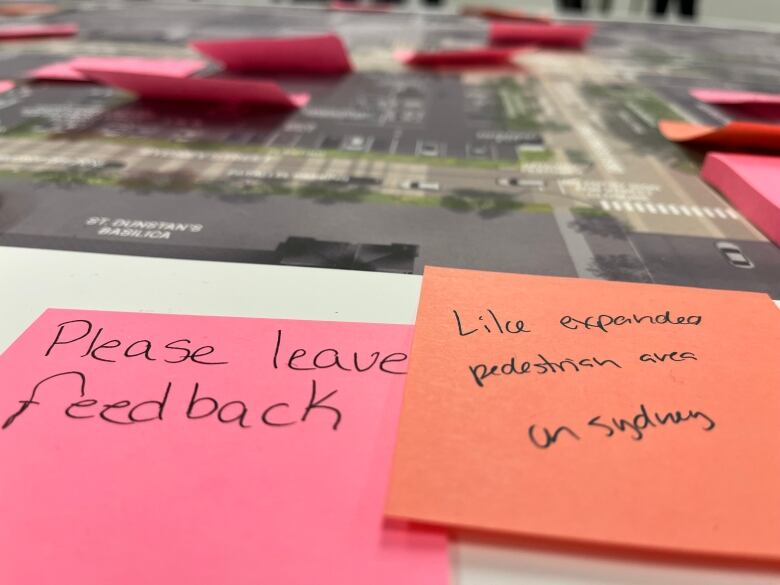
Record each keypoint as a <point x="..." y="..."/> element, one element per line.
<point x="553" y="166"/>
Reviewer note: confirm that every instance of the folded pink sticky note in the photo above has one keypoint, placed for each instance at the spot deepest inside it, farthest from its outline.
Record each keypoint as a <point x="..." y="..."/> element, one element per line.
<point x="6" y="85"/>
<point x="69" y="70"/>
<point x="755" y="104"/>
<point x="319" y="54"/>
<point x="470" y="56"/>
<point x="27" y="31"/>
<point x="731" y="97"/>
<point x="750" y="183"/>
<point x="143" y="448"/>
<point x="199" y="89"/>
<point x="571" y="36"/>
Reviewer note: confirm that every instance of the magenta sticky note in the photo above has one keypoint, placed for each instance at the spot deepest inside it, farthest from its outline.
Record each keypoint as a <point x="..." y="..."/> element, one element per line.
<point x="28" y="31"/>
<point x="6" y="85"/>
<point x="750" y="183"/>
<point x="463" y="57"/>
<point x="198" y="89"/>
<point x="310" y="55"/>
<point x="69" y="70"/>
<point x="149" y="448"/>
<point x="565" y="36"/>
<point x="755" y="104"/>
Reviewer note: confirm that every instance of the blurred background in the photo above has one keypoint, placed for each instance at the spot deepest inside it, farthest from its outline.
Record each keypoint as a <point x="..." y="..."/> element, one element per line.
<point x="714" y="11"/>
<point x="761" y="13"/>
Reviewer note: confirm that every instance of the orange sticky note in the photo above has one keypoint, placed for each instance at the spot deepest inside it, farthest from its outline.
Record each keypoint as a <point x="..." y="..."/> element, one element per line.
<point x="601" y="412"/>
<point x="732" y="137"/>
<point x="28" y="9"/>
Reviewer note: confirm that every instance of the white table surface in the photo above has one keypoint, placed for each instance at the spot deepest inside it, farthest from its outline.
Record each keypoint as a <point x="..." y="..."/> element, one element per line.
<point x="33" y="280"/>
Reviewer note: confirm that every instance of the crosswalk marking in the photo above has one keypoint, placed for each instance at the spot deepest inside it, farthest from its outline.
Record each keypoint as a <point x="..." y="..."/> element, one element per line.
<point x="669" y="209"/>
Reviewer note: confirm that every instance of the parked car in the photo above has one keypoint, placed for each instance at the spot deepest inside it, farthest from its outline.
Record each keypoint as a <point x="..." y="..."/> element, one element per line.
<point x="521" y="183"/>
<point x="355" y="143"/>
<point x="428" y="149"/>
<point x="420" y="185"/>
<point x="734" y="255"/>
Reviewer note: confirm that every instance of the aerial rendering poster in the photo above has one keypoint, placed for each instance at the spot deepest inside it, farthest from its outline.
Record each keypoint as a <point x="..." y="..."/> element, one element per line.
<point x="552" y="165"/>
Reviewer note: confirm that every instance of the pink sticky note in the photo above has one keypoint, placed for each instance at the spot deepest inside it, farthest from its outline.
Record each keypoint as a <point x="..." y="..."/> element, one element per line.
<point x="758" y="105"/>
<point x="69" y="70"/>
<point x="6" y="85"/>
<point x="319" y="54"/>
<point x="27" y="31"/>
<point x="204" y="450"/>
<point x="731" y="97"/>
<point x="568" y="36"/>
<point x="750" y="183"/>
<point x="463" y="57"/>
<point x="199" y="89"/>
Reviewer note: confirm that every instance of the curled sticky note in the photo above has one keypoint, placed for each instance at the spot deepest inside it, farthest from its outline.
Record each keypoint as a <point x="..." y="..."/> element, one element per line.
<point x="233" y="91"/>
<point x="754" y="104"/>
<point x="734" y="136"/>
<point x="731" y="97"/>
<point x="69" y="70"/>
<point x="566" y="36"/>
<point x="463" y="57"/>
<point x="29" y="31"/>
<point x="315" y="54"/>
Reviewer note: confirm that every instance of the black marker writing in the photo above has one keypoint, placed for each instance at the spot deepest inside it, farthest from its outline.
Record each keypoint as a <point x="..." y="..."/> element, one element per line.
<point x="495" y="325"/>
<point x="636" y="426"/>
<point x="513" y="366"/>
<point x="549" y="438"/>
<point x="604" y="322"/>
<point x="302" y="360"/>
<point x="31" y="400"/>
<point x="109" y="349"/>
